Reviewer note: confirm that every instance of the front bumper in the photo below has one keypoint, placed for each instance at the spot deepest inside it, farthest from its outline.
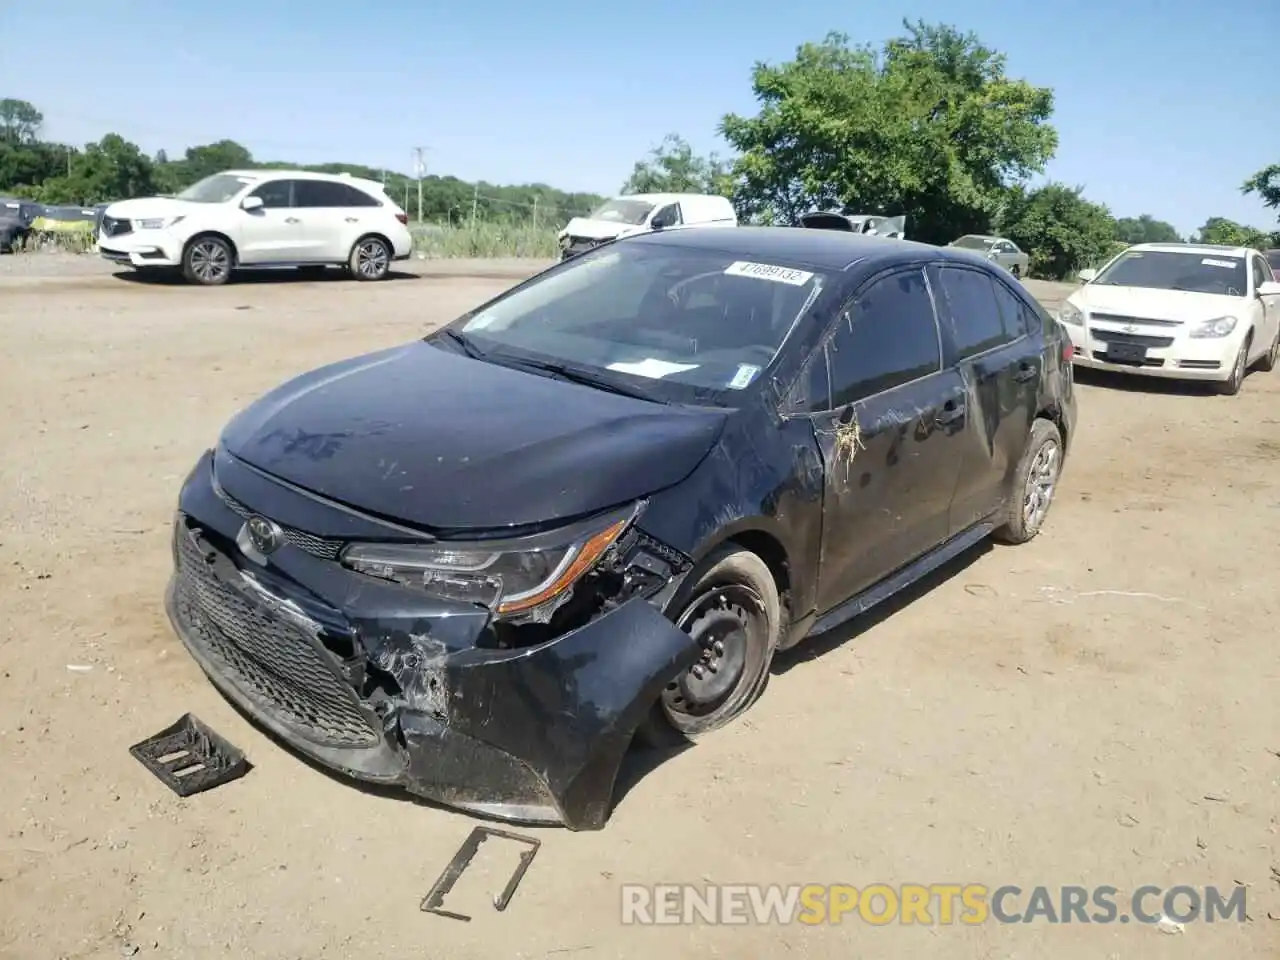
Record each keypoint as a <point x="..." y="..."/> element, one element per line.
<point x="1169" y="352"/>
<point x="386" y="686"/>
<point x="142" y="248"/>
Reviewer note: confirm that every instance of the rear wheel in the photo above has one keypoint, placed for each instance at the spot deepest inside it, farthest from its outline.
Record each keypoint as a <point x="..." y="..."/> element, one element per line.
<point x="207" y="261"/>
<point x="1017" y="272"/>
<point x="730" y="606"/>
<point x="1034" y="484"/>
<point x="370" y="259"/>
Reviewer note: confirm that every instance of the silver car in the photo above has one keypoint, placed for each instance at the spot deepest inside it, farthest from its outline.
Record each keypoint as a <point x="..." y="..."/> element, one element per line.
<point x="998" y="250"/>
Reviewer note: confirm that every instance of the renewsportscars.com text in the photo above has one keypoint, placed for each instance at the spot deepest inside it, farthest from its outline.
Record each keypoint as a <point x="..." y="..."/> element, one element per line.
<point x="925" y="904"/>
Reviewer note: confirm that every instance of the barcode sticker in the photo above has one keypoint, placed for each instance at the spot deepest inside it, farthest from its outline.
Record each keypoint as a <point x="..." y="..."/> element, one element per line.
<point x="768" y="271"/>
<point x="1228" y="264"/>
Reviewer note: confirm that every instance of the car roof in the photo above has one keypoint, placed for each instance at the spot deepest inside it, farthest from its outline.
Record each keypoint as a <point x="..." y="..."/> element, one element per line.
<point x="1221" y="249"/>
<point x="827" y="250"/>
<point x="261" y="173"/>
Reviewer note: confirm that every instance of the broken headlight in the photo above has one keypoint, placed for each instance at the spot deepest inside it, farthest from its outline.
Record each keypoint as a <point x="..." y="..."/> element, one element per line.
<point x="509" y="577"/>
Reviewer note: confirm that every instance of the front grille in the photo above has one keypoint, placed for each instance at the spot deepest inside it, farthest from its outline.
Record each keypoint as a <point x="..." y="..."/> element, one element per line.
<point x="1140" y="321"/>
<point x="321" y="547"/>
<point x="273" y="659"/>
<point x="1136" y="339"/>
<point x="113" y="227"/>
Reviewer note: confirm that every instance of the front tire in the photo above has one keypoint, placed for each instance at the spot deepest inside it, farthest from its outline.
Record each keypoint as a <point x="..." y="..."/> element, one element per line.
<point x="1272" y="357"/>
<point x="207" y="261"/>
<point x="730" y="605"/>
<point x="1034" y="484"/>
<point x="370" y="259"/>
<point x="1231" y="386"/>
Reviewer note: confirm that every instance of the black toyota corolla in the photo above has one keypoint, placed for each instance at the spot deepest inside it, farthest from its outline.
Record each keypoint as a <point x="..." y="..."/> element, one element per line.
<point x="481" y="564"/>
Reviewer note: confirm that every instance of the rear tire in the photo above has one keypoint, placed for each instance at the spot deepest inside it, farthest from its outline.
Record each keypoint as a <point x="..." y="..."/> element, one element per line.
<point x="207" y="261"/>
<point x="370" y="259"/>
<point x="1016" y="271"/>
<point x="730" y="605"/>
<point x="1034" y="484"/>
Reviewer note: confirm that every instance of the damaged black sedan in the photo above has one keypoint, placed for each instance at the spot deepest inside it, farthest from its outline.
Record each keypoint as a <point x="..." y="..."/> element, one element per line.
<point x="481" y="564"/>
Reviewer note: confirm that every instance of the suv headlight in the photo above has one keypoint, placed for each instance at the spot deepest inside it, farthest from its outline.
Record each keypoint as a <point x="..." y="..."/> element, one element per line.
<point x="157" y="223"/>
<point x="1070" y="315"/>
<point x="1217" y="327"/>
<point x="507" y="576"/>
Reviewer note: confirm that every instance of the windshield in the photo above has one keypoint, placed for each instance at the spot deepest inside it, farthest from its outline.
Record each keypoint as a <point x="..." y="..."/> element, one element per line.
<point x="974" y="243"/>
<point x="1167" y="270"/>
<point x="218" y="188"/>
<point x="633" y="212"/>
<point x="682" y="323"/>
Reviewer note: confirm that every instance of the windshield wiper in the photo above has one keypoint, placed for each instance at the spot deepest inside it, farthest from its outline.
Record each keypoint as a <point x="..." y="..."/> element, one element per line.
<point x="585" y="377"/>
<point x="465" y="342"/>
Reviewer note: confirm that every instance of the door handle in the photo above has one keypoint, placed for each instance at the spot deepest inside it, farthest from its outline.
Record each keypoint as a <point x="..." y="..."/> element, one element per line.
<point x="353" y="219"/>
<point x="291" y="220"/>
<point x="952" y="411"/>
<point x="1026" y="371"/>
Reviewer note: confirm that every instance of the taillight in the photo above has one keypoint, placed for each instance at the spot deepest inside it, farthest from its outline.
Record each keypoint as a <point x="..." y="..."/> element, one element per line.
<point x="403" y="218"/>
<point x="1068" y="349"/>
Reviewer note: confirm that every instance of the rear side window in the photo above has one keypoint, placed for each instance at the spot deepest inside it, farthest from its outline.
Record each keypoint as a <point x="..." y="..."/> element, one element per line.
<point x="888" y="336"/>
<point x="325" y="193"/>
<point x="1016" y="316"/>
<point x="977" y="322"/>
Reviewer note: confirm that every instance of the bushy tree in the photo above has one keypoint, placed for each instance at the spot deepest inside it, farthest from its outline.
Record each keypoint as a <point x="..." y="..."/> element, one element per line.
<point x="1145" y="229"/>
<point x="673" y="167"/>
<point x="929" y="126"/>
<point x="1231" y="234"/>
<point x="1061" y="230"/>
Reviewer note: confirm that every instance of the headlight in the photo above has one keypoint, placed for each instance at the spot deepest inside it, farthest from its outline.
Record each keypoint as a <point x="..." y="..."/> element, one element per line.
<point x="159" y="223"/>
<point x="1070" y="315"/>
<point x="1218" y="327"/>
<point x="507" y="576"/>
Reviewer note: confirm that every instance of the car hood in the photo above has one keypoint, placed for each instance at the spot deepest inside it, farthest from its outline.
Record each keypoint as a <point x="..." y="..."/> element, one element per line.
<point x="442" y="441"/>
<point x="599" y="229"/>
<point x="1153" y="304"/>
<point x="144" y="208"/>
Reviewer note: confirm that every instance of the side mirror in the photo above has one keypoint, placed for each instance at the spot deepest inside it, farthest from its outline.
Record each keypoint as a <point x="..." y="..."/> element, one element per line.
<point x="251" y="203"/>
<point x="1087" y="275"/>
<point x="658" y="223"/>
<point x="1270" y="288"/>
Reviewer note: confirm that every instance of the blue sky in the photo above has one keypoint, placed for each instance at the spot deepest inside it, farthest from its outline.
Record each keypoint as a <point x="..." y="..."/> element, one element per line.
<point x="1162" y="107"/>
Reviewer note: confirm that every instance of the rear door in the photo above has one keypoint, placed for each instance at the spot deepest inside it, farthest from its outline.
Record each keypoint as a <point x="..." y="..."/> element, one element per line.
<point x="889" y="419"/>
<point x="334" y="215"/>
<point x="1001" y="364"/>
<point x="272" y="233"/>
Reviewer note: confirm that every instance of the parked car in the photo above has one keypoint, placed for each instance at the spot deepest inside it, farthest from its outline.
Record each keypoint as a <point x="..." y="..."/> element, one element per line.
<point x="16" y="217"/>
<point x="643" y="471"/>
<point x="1185" y="311"/>
<point x="641" y="213"/>
<point x="998" y="250"/>
<point x="865" y="223"/>
<point x="260" y="218"/>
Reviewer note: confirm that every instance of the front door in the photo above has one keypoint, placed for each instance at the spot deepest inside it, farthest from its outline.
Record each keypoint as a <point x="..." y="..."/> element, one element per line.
<point x="273" y="232"/>
<point x="890" y="422"/>
<point x="986" y="334"/>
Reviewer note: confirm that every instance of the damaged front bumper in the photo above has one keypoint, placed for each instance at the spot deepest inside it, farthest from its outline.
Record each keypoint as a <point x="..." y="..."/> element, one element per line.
<point x="385" y="685"/>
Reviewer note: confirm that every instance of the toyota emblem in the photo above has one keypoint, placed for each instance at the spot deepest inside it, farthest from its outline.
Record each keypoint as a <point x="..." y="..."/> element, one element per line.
<point x="265" y="536"/>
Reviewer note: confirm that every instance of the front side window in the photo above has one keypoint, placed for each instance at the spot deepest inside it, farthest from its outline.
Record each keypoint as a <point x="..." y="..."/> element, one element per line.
<point x="218" y="188"/>
<point x="681" y="317"/>
<point x="1260" y="272"/>
<point x="670" y="215"/>
<point x="887" y="337"/>
<point x="976" y="322"/>
<point x="275" y="194"/>
<point x="622" y="210"/>
<point x="973" y="243"/>
<point x="1192" y="272"/>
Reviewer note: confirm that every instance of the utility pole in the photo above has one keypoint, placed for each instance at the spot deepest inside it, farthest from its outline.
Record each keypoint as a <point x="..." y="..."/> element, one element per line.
<point x="419" y="168"/>
<point x="535" y="213"/>
<point x="475" y="202"/>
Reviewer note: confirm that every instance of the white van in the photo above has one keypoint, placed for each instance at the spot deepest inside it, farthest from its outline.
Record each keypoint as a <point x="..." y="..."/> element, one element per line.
<point x="642" y="212"/>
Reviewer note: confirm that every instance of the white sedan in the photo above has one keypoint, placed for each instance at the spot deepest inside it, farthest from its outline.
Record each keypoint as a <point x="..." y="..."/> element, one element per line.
<point x="1185" y="311"/>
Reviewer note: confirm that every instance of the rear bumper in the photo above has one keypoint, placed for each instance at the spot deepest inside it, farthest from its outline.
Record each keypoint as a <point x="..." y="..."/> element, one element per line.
<point x="384" y="691"/>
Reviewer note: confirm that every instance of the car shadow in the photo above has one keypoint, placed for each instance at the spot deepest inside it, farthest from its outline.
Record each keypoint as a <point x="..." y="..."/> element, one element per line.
<point x="1130" y="383"/>
<point x="174" y="278"/>
<point x="820" y="644"/>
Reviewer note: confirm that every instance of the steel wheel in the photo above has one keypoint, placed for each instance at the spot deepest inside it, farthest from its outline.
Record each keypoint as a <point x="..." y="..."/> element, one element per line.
<point x="1042" y="480"/>
<point x="370" y="260"/>
<point x="207" y="261"/>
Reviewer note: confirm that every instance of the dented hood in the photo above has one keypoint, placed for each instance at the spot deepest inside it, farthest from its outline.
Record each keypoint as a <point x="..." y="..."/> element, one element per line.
<point x="445" y="442"/>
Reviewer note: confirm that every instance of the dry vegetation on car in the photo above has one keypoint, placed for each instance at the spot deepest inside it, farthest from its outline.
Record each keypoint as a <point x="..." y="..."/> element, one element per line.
<point x="1094" y="708"/>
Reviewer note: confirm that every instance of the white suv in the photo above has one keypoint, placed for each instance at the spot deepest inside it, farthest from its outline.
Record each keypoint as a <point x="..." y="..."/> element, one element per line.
<point x="260" y="218"/>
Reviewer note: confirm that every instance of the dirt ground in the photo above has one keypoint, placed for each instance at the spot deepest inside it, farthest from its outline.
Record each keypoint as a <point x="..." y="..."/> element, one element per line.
<point x="1095" y="708"/>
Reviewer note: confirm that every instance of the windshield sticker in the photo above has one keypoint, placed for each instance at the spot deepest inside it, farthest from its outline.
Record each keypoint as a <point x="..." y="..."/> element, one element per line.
<point x="653" y="369"/>
<point x="767" y="271"/>
<point x="1229" y="264"/>
<point x="746" y="373"/>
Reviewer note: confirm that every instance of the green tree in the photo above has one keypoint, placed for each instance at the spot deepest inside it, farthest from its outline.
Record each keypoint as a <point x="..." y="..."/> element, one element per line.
<point x="1061" y="230"/>
<point x="673" y="167"/>
<point x="1266" y="184"/>
<point x="1145" y="229"/>
<point x="929" y="126"/>
<point x="111" y="169"/>
<point x="20" y="122"/>
<point x="1220" y="230"/>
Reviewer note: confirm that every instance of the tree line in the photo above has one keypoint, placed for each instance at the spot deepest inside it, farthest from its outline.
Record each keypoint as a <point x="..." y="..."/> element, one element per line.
<point x="116" y="169"/>
<point x="926" y="125"/>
